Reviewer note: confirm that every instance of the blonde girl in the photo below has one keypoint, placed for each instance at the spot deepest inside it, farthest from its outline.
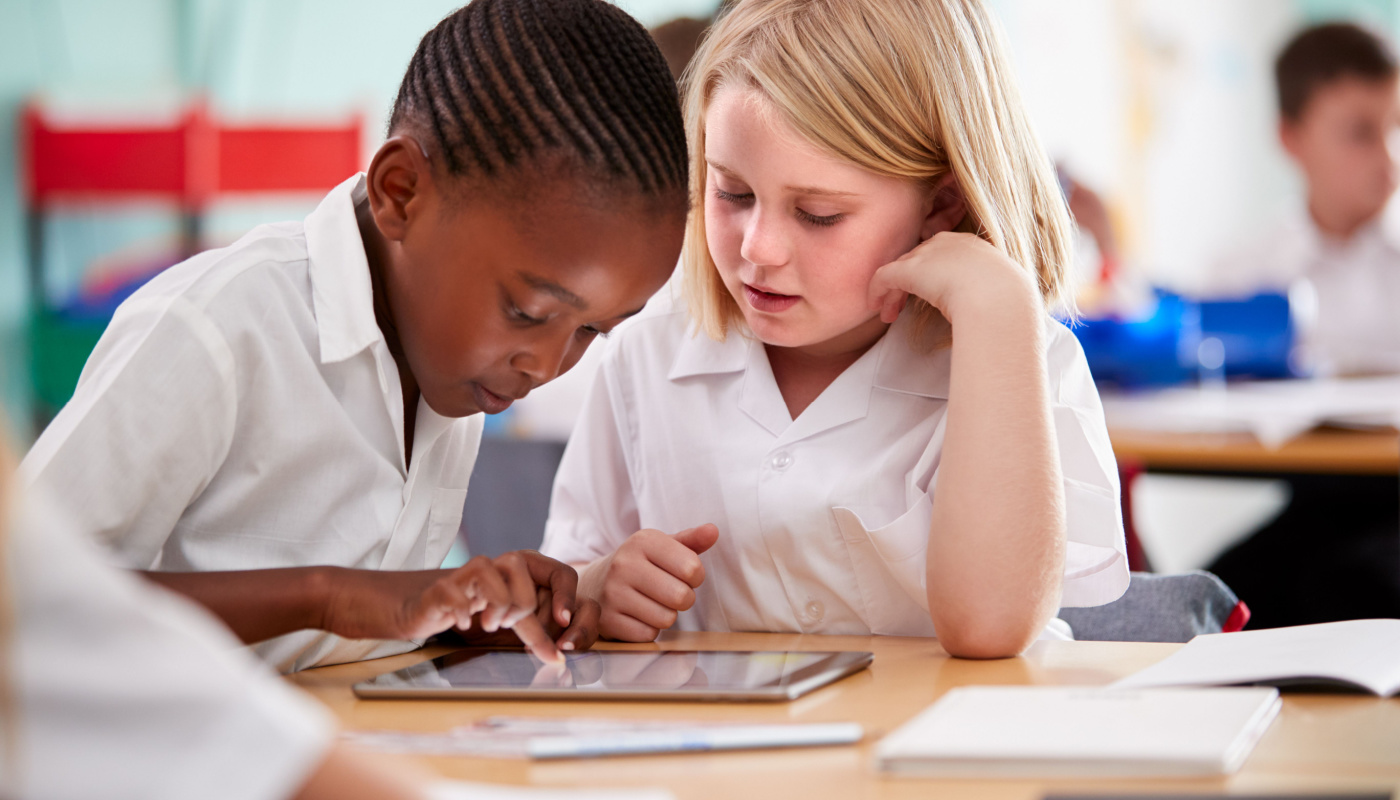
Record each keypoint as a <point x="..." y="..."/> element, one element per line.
<point x="862" y="418"/>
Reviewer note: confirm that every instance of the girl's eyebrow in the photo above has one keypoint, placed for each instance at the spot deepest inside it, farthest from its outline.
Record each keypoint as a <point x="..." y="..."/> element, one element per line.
<point x="554" y="290"/>
<point x="810" y="191"/>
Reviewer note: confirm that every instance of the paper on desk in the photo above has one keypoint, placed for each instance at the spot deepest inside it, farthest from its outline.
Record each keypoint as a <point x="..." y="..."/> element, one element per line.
<point x="457" y="790"/>
<point x="510" y="737"/>
<point x="1274" y="411"/>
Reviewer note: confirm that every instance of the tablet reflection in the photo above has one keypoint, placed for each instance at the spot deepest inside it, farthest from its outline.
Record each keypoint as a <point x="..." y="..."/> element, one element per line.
<point x="593" y="670"/>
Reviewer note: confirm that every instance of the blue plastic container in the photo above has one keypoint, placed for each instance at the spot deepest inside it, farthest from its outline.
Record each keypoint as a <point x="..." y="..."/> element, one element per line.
<point x="1255" y="337"/>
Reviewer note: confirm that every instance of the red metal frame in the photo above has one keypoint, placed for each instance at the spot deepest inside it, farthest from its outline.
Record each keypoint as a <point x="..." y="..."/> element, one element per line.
<point x="188" y="162"/>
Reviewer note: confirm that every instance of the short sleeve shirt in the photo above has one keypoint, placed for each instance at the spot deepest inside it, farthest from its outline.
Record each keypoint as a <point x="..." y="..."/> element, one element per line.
<point x="824" y="520"/>
<point x="242" y="411"/>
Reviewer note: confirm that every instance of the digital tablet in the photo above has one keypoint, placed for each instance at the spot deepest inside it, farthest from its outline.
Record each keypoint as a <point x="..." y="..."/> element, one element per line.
<point x="619" y="674"/>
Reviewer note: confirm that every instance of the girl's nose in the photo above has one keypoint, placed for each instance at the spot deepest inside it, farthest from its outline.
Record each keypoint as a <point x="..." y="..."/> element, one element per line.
<point x="766" y="242"/>
<point x="548" y="357"/>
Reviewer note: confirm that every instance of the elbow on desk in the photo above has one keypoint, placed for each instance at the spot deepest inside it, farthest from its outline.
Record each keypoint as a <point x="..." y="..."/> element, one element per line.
<point x="987" y="636"/>
<point x="984" y="647"/>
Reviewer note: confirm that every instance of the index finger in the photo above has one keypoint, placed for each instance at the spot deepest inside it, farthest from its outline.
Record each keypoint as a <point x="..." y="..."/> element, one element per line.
<point x="533" y="635"/>
<point x="561" y="579"/>
<point x="885" y="293"/>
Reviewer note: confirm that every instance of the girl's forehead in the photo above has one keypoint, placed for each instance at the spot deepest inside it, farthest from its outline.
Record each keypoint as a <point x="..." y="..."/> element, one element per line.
<point x="747" y="136"/>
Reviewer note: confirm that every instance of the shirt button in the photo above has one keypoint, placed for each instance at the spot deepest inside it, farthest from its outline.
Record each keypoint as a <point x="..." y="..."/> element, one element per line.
<point x="815" y="610"/>
<point x="781" y="461"/>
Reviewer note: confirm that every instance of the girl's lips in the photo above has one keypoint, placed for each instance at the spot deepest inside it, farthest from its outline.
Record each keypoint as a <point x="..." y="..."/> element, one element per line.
<point x="488" y="401"/>
<point x="768" y="302"/>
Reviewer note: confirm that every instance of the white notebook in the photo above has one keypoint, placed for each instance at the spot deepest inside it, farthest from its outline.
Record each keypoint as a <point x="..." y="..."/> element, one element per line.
<point x="1361" y="654"/>
<point x="1054" y="732"/>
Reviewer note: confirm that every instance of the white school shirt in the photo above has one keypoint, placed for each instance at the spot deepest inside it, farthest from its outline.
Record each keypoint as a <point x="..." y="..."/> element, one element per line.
<point x="1346" y="293"/>
<point x="126" y="691"/>
<point x="824" y="520"/>
<point x="242" y="411"/>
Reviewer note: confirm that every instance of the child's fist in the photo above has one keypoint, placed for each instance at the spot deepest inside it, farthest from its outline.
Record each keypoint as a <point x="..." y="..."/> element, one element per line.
<point x="649" y="580"/>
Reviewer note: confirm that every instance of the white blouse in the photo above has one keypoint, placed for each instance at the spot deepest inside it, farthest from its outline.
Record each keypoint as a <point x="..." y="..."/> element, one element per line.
<point x="824" y="520"/>
<point x="242" y="411"/>
<point x="1344" y="293"/>
<point x="126" y="691"/>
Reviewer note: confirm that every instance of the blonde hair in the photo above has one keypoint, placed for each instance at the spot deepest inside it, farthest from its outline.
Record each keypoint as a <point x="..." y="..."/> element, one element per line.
<point x="910" y="89"/>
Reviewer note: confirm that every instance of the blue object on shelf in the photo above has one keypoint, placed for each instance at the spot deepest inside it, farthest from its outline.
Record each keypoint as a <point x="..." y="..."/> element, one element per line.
<point x="1255" y="335"/>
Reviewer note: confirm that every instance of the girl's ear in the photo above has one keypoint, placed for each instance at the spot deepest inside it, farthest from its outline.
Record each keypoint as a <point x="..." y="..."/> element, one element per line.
<point x="947" y="208"/>
<point x="398" y="182"/>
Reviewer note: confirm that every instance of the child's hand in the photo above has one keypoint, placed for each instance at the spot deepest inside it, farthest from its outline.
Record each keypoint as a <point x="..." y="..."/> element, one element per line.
<point x="571" y="629"/>
<point x="366" y="604"/>
<point x="952" y="271"/>
<point x="648" y="581"/>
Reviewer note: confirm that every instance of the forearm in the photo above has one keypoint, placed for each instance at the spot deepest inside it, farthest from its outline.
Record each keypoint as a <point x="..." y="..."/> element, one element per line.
<point x="996" y="544"/>
<point x="261" y="603"/>
<point x="348" y="774"/>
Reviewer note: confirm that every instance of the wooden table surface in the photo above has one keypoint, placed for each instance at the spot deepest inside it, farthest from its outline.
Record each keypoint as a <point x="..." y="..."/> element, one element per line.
<point x="1320" y="743"/>
<point x="1324" y="451"/>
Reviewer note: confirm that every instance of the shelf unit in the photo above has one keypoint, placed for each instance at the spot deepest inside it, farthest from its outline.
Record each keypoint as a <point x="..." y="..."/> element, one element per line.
<point x="187" y="162"/>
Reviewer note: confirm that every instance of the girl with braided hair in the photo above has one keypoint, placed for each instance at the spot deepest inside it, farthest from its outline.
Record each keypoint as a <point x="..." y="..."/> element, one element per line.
<point x="862" y="418"/>
<point x="284" y="429"/>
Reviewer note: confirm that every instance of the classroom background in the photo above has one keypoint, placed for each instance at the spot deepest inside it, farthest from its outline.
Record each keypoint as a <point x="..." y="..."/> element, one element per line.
<point x="1164" y="107"/>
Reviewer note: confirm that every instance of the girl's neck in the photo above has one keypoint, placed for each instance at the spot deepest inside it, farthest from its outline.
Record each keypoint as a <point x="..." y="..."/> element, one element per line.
<point x="803" y="373"/>
<point x="378" y="256"/>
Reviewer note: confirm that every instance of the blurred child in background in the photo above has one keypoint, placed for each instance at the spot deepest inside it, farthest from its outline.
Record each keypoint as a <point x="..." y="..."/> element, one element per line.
<point x="1335" y="551"/>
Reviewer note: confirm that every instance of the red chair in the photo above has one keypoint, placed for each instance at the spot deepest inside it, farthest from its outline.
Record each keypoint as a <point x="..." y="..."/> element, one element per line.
<point x="187" y="162"/>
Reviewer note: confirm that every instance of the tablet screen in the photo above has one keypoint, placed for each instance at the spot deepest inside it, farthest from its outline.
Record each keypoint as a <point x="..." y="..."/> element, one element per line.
<point x="612" y="671"/>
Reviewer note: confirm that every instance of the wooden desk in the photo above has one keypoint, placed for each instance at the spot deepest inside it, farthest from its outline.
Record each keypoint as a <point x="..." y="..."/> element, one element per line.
<point x="1320" y="452"/>
<point x="1319" y="743"/>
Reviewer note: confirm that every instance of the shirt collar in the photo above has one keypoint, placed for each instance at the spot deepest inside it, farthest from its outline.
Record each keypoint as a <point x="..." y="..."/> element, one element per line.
<point x="1389" y="224"/>
<point x="701" y="355"/>
<point x="900" y="367"/>
<point x="905" y="370"/>
<point x="1311" y="241"/>
<point x="341" y="292"/>
<point x="891" y="365"/>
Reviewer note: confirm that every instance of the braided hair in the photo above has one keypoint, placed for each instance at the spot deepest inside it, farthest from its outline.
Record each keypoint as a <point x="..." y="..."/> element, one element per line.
<point x="504" y="84"/>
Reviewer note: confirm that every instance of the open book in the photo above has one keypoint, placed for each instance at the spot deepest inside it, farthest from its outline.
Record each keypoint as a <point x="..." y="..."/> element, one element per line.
<point x="1359" y="654"/>
<point x="1055" y="732"/>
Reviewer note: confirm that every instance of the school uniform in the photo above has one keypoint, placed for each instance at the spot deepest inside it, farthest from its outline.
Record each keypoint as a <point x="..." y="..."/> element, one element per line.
<point x="126" y="691"/>
<point x="824" y="520"/>
<point x="242" y="411"/>
<point x="1346" y="292"/>
<point x="1334" y="552"/>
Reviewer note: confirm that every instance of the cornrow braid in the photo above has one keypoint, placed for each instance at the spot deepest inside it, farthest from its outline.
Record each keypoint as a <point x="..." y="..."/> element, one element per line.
<point x="503" y="83"/>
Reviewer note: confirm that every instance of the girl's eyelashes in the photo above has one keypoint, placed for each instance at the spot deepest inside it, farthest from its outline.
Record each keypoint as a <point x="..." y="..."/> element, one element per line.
<point x="734" y="197"/>
<point x="811" y="219"/>
<point x="822" y="222"/>
<point x="590" y="331"/>
<point x="517" y="314"/>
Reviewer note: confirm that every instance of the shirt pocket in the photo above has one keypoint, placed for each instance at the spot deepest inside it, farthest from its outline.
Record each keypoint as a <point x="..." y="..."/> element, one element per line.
<point x="890" y="567"/>
<point x="444" y="521"/>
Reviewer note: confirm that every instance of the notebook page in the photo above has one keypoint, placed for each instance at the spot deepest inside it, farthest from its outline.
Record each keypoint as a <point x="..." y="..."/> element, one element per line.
<point x="1365" y="653"/>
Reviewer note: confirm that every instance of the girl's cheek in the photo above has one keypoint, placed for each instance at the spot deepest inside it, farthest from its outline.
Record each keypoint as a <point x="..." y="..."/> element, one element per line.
<point x="724" y="235"/>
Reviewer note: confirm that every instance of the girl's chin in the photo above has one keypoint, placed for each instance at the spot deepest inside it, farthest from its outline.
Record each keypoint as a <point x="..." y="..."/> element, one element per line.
<point x="783" y="332"/>
<point x="786" y="333"/>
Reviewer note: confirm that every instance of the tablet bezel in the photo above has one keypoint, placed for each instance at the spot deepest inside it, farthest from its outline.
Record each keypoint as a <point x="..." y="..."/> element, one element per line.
<point x="836" y="665"/>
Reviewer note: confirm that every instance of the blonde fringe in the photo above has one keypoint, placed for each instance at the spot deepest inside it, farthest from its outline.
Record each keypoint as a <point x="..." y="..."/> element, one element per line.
<point x="911" y="89"/>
